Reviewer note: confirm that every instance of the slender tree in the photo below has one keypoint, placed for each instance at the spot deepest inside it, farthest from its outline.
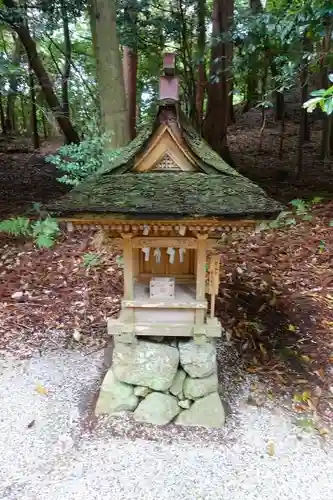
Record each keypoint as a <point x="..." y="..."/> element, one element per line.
<point x="114" y="118"/>
<point x="14" y="17"/>
<point x="217" y="115"/>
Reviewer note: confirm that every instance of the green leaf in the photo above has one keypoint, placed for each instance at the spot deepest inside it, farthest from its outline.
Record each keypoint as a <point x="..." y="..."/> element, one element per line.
<point x="284" y="214"/>
<point x="330" y="223"/>
<point x="298" y="203"/>
<point x="91" y="259"/>
<point x="327" y="106"/>
<point x="44" y="241"/>
<point x="311" y="104"/>
<point x="291" y="222"/>
<point x="318" y="93"/>
<point x="17" y="226"/>
<point x="307" y="217"/>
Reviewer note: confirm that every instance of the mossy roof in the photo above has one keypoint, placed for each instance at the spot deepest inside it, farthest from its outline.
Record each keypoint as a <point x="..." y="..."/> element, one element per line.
<point x="208" y="160"/>
<point x="218" y="190"/>
<point x="169" y="195"/>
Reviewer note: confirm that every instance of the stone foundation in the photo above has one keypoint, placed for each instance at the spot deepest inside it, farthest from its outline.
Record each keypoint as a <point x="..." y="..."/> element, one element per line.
<point x="163" y="380"/>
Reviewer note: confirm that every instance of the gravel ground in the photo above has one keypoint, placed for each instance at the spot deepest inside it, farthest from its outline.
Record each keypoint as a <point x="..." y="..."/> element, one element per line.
<point x="50" y="448"/>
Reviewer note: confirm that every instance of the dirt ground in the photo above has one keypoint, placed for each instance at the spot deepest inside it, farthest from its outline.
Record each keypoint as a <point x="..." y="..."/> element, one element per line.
<point x="276" y="295"/>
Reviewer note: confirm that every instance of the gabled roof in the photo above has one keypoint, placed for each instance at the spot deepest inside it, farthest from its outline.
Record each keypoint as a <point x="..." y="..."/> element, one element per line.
<point x="214" y="189"/>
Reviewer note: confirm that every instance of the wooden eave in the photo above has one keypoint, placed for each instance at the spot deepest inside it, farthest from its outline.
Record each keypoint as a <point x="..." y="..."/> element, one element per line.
<point x="159" y="227"/>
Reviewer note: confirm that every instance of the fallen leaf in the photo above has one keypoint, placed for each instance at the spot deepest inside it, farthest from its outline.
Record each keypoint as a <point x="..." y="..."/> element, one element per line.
<point x="262" y="348"/>
<point x="323" y="431"/>
<point x="271" y="449"/>
<point x="41" y="390"/>
<point x="252" y="369"/>
<point x="305" y="423"/>
<point x="76" y="335"/>
<point x="292" y="328"/>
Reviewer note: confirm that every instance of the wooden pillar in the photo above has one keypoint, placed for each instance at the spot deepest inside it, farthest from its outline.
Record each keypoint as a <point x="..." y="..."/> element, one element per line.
<point x="213" y="280"/>
<point x="201" y="276"/>
<point x="128" y="266"/>
<point x="201" y="266"/>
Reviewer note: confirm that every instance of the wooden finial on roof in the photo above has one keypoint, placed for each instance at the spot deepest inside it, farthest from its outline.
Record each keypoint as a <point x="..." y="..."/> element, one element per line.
<point x="169" y="64"/>
<point x="169" y="82"/>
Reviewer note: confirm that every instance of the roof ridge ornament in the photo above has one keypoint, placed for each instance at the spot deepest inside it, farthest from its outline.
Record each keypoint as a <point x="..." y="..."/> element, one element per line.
<point x="169" y="82"/>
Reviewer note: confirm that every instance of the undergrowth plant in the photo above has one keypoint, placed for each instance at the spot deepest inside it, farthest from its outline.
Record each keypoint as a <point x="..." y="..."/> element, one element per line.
<point x="42" y="231"/>
<point x="77" y="161"/>
<point x="91" y="259"/>
<point x="322" y="98"/>
<point x="300" y="211"/>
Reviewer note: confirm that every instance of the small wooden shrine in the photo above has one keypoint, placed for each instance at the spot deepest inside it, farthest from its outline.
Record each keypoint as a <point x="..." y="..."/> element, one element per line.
<point x="167" y="199"/>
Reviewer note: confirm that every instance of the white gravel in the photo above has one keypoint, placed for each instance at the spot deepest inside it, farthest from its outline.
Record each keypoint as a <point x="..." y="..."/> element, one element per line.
<point x="59" y="458"/>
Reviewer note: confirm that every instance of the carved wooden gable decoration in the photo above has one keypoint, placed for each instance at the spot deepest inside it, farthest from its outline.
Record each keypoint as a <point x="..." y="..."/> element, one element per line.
<point x="165" y="153"/>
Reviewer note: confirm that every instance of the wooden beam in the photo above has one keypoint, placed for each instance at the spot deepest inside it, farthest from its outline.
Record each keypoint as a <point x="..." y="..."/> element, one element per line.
<point x="152" y="242"/>
<point x="128" y="266"/>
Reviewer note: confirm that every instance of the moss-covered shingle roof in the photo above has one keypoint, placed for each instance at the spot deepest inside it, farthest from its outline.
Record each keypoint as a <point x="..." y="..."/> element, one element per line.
<point x="218" y="190"/>
<point x="169" y="194"/>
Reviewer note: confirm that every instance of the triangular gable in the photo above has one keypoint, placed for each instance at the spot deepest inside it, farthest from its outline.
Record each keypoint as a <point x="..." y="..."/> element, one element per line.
<point x="165" y="147"/>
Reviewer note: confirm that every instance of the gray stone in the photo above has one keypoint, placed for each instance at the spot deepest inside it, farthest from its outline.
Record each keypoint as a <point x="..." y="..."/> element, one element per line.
<point x="195" y="388"/>
<point x="177" y="383"/>
<point x="205" y="412"/>
<point x="156" y="338"/>
<point x="185" y="403"/>
<point x="198" y="360"/>
<point x="157" y="408"/>
<point x="180" y="396"/>
<point x="146" y="363"/>
<point x="115" y="396"/>
<point x="141" y="391"/>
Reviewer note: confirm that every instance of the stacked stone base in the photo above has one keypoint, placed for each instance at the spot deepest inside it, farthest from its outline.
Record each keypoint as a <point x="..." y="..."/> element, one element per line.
<point x="163" y="380"/>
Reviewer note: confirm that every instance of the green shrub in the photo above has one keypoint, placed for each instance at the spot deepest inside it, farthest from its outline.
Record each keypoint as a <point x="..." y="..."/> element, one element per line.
<point x="91" y="259"/>
<point x="42" y="231"/>
<point x="77" y="161"/>
<point x="300" y="211"/>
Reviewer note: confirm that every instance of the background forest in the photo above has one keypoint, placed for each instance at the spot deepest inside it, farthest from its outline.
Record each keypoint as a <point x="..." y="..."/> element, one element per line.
<point x="89" y="71"/>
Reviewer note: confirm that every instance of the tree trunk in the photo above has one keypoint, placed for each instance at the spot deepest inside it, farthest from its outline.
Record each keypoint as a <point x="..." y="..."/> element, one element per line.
<point x="45" y="128"/>
<point x="201" y="84"/>
<point x="34" y="121"/>
<point x="186" y="56"/>
<point x="279" y="97"/>
<point x="11" y="98"/>
<point x="230" y="54"/>
<point x="327" y="121"/>
<point x="130" y="66"/>
<point x="110" y="78"/>
<point x="216" y="121"/>
<point x="23" y="115"/>
<point x="42" y="76"/>
<point x="66" y="71"/>
<point x="2" y="117"/>
<point x="252" y="80"/>
<point x="130" y="63"/>
<point x="304" y="118"/>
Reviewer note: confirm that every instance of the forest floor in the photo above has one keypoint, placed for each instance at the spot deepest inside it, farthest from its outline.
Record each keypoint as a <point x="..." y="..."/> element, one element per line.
<point x="276" y="297"/>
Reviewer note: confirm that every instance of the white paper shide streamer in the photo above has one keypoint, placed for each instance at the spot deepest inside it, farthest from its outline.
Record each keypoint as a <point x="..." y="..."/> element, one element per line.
<point x="157" y="255"/>
<point x="146" y="251"/>
<point x="171" y="252"/>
